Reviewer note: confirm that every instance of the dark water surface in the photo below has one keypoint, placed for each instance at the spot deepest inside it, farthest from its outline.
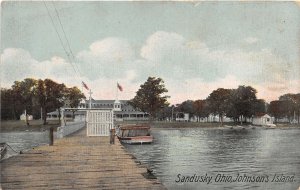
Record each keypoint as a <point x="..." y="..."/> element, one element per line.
<point x="257" y="153"/>
<point x="22" y="141"/>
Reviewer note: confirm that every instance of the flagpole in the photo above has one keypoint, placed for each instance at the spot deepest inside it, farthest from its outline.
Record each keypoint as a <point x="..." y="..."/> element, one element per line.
<point x="90" y="98"/>
<point x="117" y="92"/>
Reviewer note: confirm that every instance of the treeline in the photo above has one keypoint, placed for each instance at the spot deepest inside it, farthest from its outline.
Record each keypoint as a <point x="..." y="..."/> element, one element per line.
<point x="238" y="104"/>
<point x="287" y="106"/>
<point x="35" y="96"/>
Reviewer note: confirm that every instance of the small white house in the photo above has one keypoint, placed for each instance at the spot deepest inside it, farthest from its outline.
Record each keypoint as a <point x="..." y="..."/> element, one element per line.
<point x="262" y="119"/>
<point x="180" y="116"/>
<point x="23" y="117"/>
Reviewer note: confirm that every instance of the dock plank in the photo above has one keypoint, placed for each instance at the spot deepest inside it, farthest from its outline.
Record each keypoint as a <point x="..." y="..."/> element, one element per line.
<point x="76" y="162"/>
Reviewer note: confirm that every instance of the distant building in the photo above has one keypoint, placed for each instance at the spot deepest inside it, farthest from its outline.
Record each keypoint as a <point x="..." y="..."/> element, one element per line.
<point x="211" y="118"/>
<point x="122" y="110"/>
<point x="262" y="119"/>
<point x="23" y="117"/>
<point x="181" y="116"/>
<point x="54" y="116"/>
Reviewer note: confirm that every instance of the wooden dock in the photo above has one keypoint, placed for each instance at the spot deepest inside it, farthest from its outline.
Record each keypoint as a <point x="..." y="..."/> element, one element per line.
<point x="76" y="162"/>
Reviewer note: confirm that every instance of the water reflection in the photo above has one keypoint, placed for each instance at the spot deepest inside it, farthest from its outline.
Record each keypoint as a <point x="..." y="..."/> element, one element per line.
<point x="22" y="141"/>
<point x="208" y="151"/>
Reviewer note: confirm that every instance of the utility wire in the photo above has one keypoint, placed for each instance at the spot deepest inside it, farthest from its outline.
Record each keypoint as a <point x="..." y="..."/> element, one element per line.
<point x="67" y="40"/>
<point x="60" y="39"/>
<point x="63" y="30"/>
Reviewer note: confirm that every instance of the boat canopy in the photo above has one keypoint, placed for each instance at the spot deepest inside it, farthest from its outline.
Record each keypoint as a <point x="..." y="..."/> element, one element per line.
<point x="134" y="127"/>
<point x="135" y="132"/>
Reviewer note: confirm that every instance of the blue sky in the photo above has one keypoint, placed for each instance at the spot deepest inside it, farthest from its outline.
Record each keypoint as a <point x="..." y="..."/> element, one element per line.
<point x="195" y="47"/>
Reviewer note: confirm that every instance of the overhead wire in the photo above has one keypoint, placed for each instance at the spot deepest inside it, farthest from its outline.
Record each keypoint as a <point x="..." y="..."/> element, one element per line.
<point x="61" y="41"/>
<point x="65" y="35"/>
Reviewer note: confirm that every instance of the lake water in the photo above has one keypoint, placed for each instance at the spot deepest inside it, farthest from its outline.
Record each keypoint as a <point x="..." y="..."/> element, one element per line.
<point x="255" y="154"/>
<point x="210" y="152"/>
<point x="22" y="141"/>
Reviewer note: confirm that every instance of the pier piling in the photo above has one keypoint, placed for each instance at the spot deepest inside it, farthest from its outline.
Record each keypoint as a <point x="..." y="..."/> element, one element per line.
<point x="51" y="136"/>
<point x="112" y="136"/>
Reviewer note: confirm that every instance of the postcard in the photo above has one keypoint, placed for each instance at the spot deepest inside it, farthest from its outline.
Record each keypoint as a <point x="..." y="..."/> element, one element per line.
<point x="150" y="95"/>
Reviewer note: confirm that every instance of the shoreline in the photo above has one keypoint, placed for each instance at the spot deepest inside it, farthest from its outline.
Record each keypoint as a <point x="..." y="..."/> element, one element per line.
<point x="37" y="126"/>
<point x="182" y="125"/>
<point x="10" y="126"/>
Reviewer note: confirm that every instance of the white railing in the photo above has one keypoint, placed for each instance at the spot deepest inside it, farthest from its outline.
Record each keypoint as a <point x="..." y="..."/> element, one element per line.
<point x="69" y="128"/>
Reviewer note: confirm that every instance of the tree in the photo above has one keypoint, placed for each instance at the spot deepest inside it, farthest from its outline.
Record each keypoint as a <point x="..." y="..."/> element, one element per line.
<point x="292" y="105"/>
<point x="201" y="108"/>
<point x="23" y="93"/>
<point x="258" y="106"/>
<point x="277" y="109"/>
<point x="187" y="107"/>
<point x="74" y="95"/>
<point x="149" y="98"/>
<point x="8" y="104"/>
<point x="243" y="98"/>
<point x="50" y="96"/>
<point x="164" y="113"/>
<point x="219" y="103"/>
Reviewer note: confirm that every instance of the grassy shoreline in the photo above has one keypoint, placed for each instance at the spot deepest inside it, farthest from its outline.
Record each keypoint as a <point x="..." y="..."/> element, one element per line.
<point x="20" y="126"/>
<point x="37" y="125"/>
<point x="164" y="124"/>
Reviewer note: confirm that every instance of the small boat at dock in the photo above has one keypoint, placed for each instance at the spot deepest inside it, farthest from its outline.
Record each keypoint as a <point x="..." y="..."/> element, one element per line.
<point x="234" y="127"/>
<point x="270" y="126"/>
<point x="239" y="127"/>
<point x="228" y="126"/>
<point x="3" y="150"/>
<point x="134" y="134"/>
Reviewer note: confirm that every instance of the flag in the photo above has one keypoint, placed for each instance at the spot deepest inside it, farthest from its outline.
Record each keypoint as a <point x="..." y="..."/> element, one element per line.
<point x="84" y="85"/>
<point x="119" y="87"/>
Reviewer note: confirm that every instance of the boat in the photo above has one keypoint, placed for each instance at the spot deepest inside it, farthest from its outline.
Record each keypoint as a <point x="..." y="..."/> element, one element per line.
<point x="3" y="150"/>
<point x="270" y="126"/>
<point x="228" y="126"/>
<point x="251" y="126"/>
<point x="134" y="134"/>
<point x="234" y="127"/>
<point x="239" y="127"/>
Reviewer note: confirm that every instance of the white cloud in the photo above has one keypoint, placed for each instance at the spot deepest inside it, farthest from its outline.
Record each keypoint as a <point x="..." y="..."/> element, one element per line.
<point x="106" y="58"/>
<point x="251" y="40"/>
<point x="174" y="56"/>
<point x="108" y="50"/>
<point x="162" y="44"/>
<point x="190" y="68"/>
<point x="17" y="64"/>
<point x="196" y="88"/>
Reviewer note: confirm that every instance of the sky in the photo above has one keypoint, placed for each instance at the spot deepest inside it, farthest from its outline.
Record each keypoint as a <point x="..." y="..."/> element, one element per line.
<point x="195" y="47"/>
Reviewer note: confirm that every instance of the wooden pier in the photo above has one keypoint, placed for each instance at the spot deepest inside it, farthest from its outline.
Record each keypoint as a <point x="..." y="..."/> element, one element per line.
<point x="76" y="162"/>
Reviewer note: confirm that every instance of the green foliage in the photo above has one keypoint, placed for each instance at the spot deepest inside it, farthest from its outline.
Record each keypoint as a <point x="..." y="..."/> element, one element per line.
<point x="201" y="108"/>
<point x="187" y="107"/>
<point x="8" y="105"/>
<point x="292" y="105"/>
<point x="32" y="95"/>
<point x="278" y="109"/>
<point x="244" y="97"/>
<point x="164" y="113"/>
<point x="149" y="98"/>
<point x="219" y="101"/>
<point x="51" y="96"/>
<point x="73" y="96"/>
